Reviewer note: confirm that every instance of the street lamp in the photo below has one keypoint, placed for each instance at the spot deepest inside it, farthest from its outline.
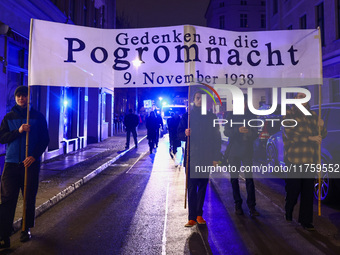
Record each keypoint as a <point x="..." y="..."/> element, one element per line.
<point x="137" y="63"/>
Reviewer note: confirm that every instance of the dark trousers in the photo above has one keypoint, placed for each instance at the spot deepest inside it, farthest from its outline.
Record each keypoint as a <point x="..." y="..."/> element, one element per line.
<point x="196" y="195"/>
<point x="12" y="181"/>
<point x="305" y="188"/>
<point x="250" y="186"/>
<point x="134" y="134"/>
<point x="157" y="137"/>
<point x="174" y="142"/>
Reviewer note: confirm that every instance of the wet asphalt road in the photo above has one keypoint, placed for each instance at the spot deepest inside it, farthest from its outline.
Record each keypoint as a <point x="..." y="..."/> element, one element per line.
<point x="136" y="207"/>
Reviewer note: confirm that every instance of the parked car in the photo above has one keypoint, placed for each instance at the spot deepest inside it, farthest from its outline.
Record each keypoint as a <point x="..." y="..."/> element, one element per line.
<point x="266" y="131"/>
<point x="330" y="150"/>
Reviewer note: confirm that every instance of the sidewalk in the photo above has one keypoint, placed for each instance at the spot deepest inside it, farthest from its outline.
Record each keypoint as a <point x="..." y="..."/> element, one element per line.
<point x="62" y="175"/>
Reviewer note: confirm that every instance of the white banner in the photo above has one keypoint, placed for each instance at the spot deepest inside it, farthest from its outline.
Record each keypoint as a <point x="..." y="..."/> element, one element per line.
<point x="70" y="55"/>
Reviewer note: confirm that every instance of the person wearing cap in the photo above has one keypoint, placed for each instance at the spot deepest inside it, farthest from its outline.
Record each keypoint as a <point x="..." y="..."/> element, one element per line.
<point x="13" y="131"/>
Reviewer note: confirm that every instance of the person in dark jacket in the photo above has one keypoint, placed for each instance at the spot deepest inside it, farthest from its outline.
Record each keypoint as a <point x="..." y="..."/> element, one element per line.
<point x="173" y="123"/>
<point x="13" y="131"/>
<point x="204" y="151"/>
<point x="152" y="127"/>
<point x="241" y="140"/>
<point x="159" y="126"/>
<point x="131" y="122"/>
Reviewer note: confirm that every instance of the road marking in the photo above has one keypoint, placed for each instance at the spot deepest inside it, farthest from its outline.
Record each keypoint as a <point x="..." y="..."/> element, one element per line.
<point x="123" y="165"/>
<point x="142" y="155"/>
<point x="165" y="221"/>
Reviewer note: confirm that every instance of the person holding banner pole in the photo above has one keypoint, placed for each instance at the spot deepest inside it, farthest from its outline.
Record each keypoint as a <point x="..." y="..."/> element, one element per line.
<point x="204" y="151"/>
<point x="21" y="170"/>
<point x="301" y="146"/>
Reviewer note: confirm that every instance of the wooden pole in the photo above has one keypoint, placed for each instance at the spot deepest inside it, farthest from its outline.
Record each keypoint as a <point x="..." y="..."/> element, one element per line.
<point x="188" y="153"/>
<point x="319" y="128"/>
<point x="27" y="133"/>
<point x="189" y="69"/>
<point x="26" y="168"/>
<point x="319" y="155"/>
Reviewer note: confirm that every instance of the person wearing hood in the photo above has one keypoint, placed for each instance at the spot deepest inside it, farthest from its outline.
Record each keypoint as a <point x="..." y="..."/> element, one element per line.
<point x="13" y="131"/>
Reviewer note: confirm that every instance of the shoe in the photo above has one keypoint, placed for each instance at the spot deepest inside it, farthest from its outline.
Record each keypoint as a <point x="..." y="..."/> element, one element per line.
<point x="25" y="236"/>
<point x="289" y="217"/>
<point x="200" y="220"/>
<point x="5" y="243"/>
<point x="308" y="226"/>
<point x="126" y="148"/>
<point x="238" y="210"/>
<point x="253" y="212"/>
<point x="190" y="224"/>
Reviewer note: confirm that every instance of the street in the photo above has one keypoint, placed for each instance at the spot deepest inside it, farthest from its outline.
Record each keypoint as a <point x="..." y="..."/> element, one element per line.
<point x="136" y="206"/>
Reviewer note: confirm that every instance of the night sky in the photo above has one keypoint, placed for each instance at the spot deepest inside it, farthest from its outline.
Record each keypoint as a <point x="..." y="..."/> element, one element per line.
<point x="155" y="13"/>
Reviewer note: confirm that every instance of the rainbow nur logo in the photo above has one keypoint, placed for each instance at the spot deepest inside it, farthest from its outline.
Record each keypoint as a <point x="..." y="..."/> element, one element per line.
<point x="204" y="98"/>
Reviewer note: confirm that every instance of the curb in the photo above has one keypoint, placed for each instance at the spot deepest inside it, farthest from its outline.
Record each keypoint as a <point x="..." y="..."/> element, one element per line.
<point x="70" y="189"/>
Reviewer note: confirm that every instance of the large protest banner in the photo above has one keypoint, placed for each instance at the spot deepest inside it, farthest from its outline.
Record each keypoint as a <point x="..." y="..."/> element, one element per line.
<point x="75" y="56"/>
<point x="70" y="55"/>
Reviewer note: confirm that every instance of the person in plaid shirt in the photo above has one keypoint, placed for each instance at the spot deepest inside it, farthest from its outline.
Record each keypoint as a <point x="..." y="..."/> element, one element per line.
<point x="301" y="147"/>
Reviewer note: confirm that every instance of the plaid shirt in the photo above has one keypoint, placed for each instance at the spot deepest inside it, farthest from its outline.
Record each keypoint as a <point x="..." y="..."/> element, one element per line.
<point x="298" y="148"/>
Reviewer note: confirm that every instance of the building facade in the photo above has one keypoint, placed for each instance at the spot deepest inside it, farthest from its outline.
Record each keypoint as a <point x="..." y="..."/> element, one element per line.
<point x="255" y="15"/>
<point x="75" y="116"/>
<point x="238" y="15"/>
<point x="310" y="14"/>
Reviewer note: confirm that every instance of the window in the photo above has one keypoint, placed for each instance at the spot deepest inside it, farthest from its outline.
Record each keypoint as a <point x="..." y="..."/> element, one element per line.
<point x="320" y="21"/>
<point x="333" y="122"/>
<point x="243" y="20"/>
<point x="275" y="6"/>
<point x="17" y="69"/>
<point x="85" y="14"/>
<point x="263" y="20"/>
<point x="103" y="21"/>
<point x="335" y="89"/>
<point x="72" y="11"/>
<point x="303" y="22"/>
<point x="222" y="22"/>
<point x="243" y="2"/>
<point x="221" y="4"/>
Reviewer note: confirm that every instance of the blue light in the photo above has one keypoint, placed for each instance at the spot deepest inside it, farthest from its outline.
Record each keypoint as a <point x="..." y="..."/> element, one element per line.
<point x="65" y="103"/>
